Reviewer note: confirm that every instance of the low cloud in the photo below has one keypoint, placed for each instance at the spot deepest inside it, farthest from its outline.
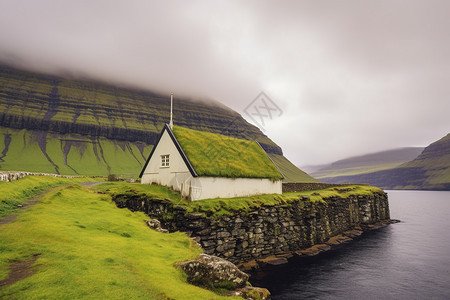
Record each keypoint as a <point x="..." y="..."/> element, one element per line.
<point x="350" y="76"/>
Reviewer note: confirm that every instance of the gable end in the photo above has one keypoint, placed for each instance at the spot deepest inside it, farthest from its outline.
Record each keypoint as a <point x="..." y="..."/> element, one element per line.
<point x="177" y="145"/>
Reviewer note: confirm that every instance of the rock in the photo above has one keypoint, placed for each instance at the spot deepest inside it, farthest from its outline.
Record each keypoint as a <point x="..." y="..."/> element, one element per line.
<point x="249" y="266"/>
<point x="156" y="225"/>
<point x="338" y="239"/>
<point x="312" y="251"/>
<point x="353" y="233"/>
<point x="323" y="247"/>
<point x="207" y="270"/>
<point x="251" y="293"/>
<point x="308" y="252"/>
<point x="272" y="261"/>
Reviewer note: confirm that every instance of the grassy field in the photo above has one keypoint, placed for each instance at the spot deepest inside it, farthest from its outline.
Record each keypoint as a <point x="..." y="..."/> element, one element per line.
<point x="86" y="248"/>
<point x="18" y="192"/>
<point x="219" y="155"/>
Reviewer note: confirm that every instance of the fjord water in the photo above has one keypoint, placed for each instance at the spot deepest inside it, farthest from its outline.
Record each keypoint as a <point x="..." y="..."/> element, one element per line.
<point x="407" y="260"/>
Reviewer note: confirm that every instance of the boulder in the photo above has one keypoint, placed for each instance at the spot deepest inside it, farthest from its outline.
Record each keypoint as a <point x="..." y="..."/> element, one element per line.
<point x="272" y="261"/>
<point x="251" y="293"/>
<point x="207" y="270"/>
<point x="156" y="225"/>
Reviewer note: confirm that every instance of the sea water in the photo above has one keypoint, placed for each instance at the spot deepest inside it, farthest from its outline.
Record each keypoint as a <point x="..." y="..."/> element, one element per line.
<point x="406" y="260"/>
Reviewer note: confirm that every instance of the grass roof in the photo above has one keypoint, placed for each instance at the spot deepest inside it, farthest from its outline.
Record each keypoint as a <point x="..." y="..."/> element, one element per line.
<point x="222" y="156"/>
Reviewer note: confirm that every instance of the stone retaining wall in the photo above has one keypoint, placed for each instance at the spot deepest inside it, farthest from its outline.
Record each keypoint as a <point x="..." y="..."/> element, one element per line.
<point x="10" y="176"/>
<point x="311" y="186"/>
<point x="267" y="230"/>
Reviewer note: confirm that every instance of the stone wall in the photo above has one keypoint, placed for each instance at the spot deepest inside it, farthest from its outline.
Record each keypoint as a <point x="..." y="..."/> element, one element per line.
<point x="310" y="186"/>
<point x="267" y="230"/>
<point x="10" y="176"/>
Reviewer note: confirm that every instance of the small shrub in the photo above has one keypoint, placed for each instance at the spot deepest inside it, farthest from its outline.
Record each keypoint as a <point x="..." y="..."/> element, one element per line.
<point x="113" y="177"/>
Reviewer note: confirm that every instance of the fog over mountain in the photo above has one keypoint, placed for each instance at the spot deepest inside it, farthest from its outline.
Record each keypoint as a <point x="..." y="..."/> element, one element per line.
<point x="349" y="77"/>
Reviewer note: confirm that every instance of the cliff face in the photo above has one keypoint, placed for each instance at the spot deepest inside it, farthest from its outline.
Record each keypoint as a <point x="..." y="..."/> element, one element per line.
<point x="73" y="127"/>
<point x="37" y="102"/>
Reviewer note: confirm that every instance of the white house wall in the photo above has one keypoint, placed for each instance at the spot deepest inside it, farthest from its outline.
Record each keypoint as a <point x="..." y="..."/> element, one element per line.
<point x="177" y="175"/>
<point x="222" y="187"/>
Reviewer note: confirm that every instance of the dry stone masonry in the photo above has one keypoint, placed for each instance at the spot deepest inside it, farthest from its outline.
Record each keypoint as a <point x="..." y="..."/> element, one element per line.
<point x="267" y="230"/>
<point x="10" y="176"/>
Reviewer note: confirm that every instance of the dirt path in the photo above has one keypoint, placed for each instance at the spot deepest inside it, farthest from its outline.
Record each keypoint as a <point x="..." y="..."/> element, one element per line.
<point x="23" y="269"/>
<point x="20" y="270"/>
<point x="36" y="199"/>
<point x="92" y="183"/>
<point x="29" y="203"/>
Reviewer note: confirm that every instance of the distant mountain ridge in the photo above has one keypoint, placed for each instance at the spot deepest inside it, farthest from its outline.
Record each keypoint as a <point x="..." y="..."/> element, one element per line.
<point x="56" y="125"/>
<point x="368" y="163"/>
<point x="430" y="170"/>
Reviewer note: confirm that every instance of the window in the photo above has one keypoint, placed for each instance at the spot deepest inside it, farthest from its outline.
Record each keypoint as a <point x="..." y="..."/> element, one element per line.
<point x="165" y="160"/>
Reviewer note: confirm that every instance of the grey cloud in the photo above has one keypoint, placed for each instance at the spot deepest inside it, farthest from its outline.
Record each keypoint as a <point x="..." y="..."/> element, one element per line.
<point x="350" y="76"/>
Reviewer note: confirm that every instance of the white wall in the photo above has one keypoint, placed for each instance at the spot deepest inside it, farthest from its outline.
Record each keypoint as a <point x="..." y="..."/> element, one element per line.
<point x="177" y="175"/>
<point x="222" y="187"/>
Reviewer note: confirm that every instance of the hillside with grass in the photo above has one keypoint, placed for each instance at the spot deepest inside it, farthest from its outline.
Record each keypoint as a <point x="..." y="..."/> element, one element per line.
<point x="430" y="170"/>
<point x="56" y="125"/>
<point x="367" y="163"/>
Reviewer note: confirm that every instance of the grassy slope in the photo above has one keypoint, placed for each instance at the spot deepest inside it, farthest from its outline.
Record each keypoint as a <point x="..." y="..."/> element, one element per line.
<point x="430" y="170"/>
<point x="219" y="155"/>
<point x="90" y="249"/>
<point x="290" y="171"/>
<point x="87" y="157"/>
<point x="435" y="160"/>
<point x="18" y="192"/>
<point x="369" y="163"/>
<point x="95" y="111"/>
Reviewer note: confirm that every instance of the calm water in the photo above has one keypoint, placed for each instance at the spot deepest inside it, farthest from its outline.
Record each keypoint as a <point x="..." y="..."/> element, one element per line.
<point x="407" y="260"/>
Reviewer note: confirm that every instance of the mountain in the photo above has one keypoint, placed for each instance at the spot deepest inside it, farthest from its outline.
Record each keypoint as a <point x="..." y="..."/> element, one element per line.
<point x="366" y="163"/>
<point x="57" y="125"/>
<point x="430" y="170"/>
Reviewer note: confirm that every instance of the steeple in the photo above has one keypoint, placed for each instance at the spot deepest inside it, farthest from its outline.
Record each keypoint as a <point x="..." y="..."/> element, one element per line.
<point x="171" y="107"/>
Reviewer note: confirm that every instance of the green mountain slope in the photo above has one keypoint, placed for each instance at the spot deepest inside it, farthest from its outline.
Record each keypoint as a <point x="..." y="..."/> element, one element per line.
<point x="55" y="125"/>
<point x="430" y="170"/>
<point x="368" y="163"/>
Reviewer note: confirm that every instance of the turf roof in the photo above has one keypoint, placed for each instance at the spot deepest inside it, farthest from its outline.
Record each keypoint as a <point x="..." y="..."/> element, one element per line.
<point x="218" y="155"/>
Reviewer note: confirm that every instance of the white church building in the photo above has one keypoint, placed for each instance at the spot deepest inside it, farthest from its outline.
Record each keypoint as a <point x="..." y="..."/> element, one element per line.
<point x="203" y="165"/>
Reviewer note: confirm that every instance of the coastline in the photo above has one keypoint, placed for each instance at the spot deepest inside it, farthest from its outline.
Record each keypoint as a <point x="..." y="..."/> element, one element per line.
<point x="343" y="238"/>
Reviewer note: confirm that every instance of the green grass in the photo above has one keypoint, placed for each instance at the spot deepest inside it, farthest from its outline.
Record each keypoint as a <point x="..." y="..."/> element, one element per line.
<point x="222" y="206"/>
<point x="219" y="155"/>
<point x="89" y="249"/>
<point x="99" y="157"/>
<point x="18" y="192"/>
<point x="290" y="171"/>
<point x="153" y="191"/>
<point x="218" y="207"/>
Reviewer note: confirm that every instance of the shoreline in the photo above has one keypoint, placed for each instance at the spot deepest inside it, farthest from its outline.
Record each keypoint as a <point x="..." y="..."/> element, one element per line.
<point x="283" y="258"/>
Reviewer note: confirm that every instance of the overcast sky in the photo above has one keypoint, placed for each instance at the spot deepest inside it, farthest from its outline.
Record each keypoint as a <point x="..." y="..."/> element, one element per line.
<point x="350" y="77"/>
